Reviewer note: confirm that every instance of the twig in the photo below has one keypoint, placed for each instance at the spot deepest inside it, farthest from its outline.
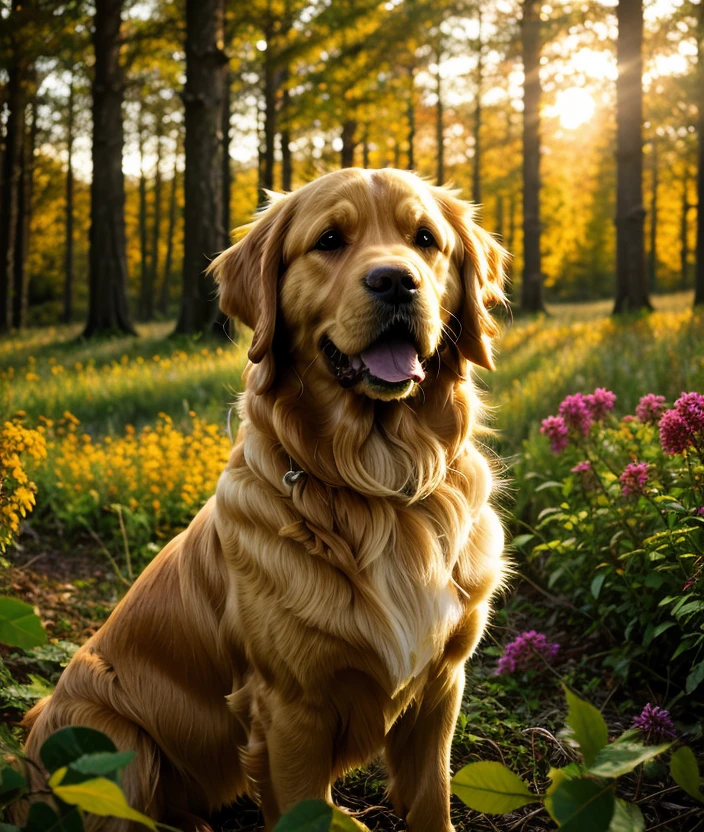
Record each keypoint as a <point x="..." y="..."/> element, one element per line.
<point x="106" y="551"/>
<point x="128" y="559"/>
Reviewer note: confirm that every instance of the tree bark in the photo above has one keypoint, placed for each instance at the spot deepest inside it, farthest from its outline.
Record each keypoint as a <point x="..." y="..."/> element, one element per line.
<point x="226" y="162"/>
<point x="476" y="166"/>
<point x="68" y="258"/>
<point x="286" y="157"/>
<point x="269" y="115"/>
<point x="164" y="293"/>
<point x="699" y="272"/>
<point x="439" y="126"/>
<point x="156" y="228"/>
<point x="12" y="167"/>
<point x="24" y="219"/>
<point x="411" y="115"/>
<point x="631" y="285"/>
<point x="500" y="217"/>
<point x="653" y="259"/>
<point x="206" y="70"/>
<point x="532" y="288"/>
<point x="145" y="273"/>
<point x="365" y="148"/>
<point x="108" y="310"/>
<point x="684" y="228"/>
<point x="349" y="128"/>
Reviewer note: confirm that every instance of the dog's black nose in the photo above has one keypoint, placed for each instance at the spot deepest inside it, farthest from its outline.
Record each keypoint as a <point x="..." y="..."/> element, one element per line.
<point x="392" y="284"/>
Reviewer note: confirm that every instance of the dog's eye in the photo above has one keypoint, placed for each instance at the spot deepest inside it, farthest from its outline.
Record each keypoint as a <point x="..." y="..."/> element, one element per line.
<point x="424" y="239"/>
<point x="330" y="240"/>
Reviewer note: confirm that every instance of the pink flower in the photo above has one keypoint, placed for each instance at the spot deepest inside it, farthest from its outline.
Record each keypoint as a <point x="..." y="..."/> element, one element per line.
<point x="634" y="478"/>
<point x="582" y="467"/>
<point x="690" y="407"/>
<point x="656" y="723"/>
<point x="576" y="413"/>
<point x="600" y="403"/>
<point x="675" y="435"/>
<point x="523" y="652"/>
<point x="556" y="430"/>
<point x="650" y="408"/>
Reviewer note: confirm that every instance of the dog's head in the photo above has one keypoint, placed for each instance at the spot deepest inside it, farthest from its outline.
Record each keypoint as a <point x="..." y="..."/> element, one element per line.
<point x="364" y="276"/>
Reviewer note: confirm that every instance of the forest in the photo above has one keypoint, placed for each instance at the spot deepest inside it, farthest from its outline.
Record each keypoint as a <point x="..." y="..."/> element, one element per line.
<point x="137" y="137"/>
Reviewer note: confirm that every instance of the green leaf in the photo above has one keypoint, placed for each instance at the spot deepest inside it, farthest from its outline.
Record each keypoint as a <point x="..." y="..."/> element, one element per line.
<point x="317" y="816"/>
<point x="559" y="775"/>
<point x="19" y="626"/>
<point x="42" y="818"/>
<point x="627" y="818"/>
<point x="70" y="744"/>
<point x="104" y="762"/>
<point x="621" y="757"/>
<point x="597" y="583"/>
<point x="695" y="678"/>
<point x="587" y="725"/>
<point x="491" y="788"/>
<point x="9" y="827"/>
<point x="582" y="806"/>
<point x="100" y="797"/>
<point x="685" y="772"/>
<point x="11" y="780"/>
<point x="521" y="540"/>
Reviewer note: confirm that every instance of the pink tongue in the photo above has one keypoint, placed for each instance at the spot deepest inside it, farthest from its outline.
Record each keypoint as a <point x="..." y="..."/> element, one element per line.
<point x="393" y="361"/>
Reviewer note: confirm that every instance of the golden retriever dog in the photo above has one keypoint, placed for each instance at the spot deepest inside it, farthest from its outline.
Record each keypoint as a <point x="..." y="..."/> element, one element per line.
<point x="320" y="608"/>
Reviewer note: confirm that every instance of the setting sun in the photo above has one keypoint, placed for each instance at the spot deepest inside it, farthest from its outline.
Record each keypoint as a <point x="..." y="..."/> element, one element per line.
<point x="574" y="107"/>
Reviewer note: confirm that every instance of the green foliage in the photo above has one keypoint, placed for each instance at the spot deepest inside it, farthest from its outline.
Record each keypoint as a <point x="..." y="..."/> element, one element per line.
<point x="582" y="795"/>
<point x="317" y="816"/>
<point x="631" y="564"/>
<point x="19" y="624"/>
<point x="84" y="766"/>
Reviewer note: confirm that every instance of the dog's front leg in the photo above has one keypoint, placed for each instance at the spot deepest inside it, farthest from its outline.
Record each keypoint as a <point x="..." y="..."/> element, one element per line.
<point x="418" y="754"/>
<point x="299" y="748"/>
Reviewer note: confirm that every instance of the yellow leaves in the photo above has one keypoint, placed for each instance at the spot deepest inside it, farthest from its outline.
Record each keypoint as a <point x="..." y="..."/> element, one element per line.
<point x="16" y="490"/>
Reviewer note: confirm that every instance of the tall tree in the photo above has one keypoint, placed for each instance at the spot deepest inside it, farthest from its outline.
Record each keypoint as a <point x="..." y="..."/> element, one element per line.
<point x="67" y="316"/>
<point x="699" y="273"/>
<point x="108" y="311"/>
<point x="145" y="275"/>
<point x="655" y="183"/>
<point x="206" y="73"/>
<point x="532" y="288"/>
<point x="631" y="282"/>
<point x="477" y="160"/>
<point x="24" y="220"/>
<point x="164" y="291"/>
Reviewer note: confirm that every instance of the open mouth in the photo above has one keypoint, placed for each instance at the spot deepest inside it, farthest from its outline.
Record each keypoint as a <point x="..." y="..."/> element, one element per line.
<point x="389" y="363"/>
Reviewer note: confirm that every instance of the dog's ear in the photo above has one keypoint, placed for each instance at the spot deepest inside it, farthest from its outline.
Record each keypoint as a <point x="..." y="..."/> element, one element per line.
<point x="248" y="273"/>
<point x="481" y="262"/>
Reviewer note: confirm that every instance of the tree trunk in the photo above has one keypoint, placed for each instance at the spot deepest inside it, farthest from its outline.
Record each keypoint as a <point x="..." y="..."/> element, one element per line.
<point x="699" y="273"/>
<point x="349" y="128"/>
<point x="653" y="260"/>
<point x="156" y="229"/>
<point x="365" y="148"/>
<point x="631" y="285"/>
<point x="411" y="114"/>
<point x="108" y="310"/>
<point x="68" y="259"/>
<point x="532" y="288"/>
<point x="164" y="293"/>
<point x="206" y="70"/>
<point x="511" y="239"/>
<point x="476" y="167"/>
<point x="269" y="115"/>
<point x="226" y="162"/>
<point x="286" y="158"/>
<point x="684" y="227"/>
<point x="439" y="127"/>
<point x="500" y="217"/>
<point x="24" y="219"/>
<point x="12" y="166"/>
<point x="145" y="273"/>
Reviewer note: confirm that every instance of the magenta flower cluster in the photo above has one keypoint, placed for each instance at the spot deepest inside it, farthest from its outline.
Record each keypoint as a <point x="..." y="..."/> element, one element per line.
<point x="634" y="478"/>
<point x="524" y="651"/>
<point x="656" y="723"/>
<point x="575" y="416"/>
<point x="683" y="427"/>
<point x="650" y="408"/>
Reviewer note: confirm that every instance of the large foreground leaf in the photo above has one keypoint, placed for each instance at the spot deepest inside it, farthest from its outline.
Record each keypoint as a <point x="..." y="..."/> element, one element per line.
<point x="491" y="788"/>
<point x="627" y="818"/>
<point x="317" y="816"/>
<point x="587" y="726"/>
<point x="582" y="806"/>
<point x="100" y="797"/>
<point x="71" y="744"/>
<point x="685" y="772"/>
<point x="19" y="626"/>
<point x="621" y="757"/>
<point x="42" y="818"/>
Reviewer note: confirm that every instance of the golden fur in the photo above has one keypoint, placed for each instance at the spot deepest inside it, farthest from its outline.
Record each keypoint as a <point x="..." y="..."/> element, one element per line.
<point x="292" y="632"/>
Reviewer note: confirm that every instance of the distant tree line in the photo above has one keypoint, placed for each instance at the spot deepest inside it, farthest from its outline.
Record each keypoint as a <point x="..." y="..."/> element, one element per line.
<point x="312" y="85"/>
